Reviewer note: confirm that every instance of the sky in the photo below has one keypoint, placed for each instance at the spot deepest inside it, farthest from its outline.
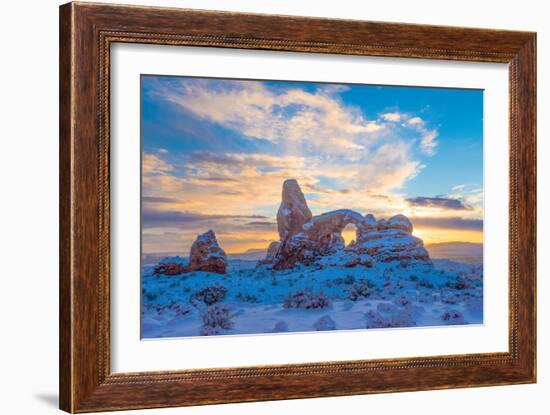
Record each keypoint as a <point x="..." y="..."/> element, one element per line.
<point x="215" y="153"/>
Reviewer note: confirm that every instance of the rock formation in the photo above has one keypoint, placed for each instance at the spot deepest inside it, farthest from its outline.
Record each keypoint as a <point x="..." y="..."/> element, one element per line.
<point x="305" y="238"/>
<point x="272" y="250"/>
<point x="206" y="254"/>
<point x="293" y="212"/>
<point x="391" y="240"/>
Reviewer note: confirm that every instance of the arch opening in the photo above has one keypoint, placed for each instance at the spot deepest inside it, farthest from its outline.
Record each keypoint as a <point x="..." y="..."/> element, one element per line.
<point x="349" y="233"/>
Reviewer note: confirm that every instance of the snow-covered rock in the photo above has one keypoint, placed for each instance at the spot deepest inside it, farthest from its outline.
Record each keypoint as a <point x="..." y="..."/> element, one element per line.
<point x="293" y="211"/>
<point x="170" y="268"/>
<point x="271" y="252"/>
<point x="206" y="254"/>
<point x="391" y="244"/>
<point x="400" y="222"/>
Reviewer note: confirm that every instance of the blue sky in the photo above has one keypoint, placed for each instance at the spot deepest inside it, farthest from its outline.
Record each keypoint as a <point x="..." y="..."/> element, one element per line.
<point x="215" y="153"/>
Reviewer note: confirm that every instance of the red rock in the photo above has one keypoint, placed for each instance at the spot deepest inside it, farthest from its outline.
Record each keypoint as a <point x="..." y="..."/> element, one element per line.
<point x="170" y="268"/>
<point x="206" y="254"/>
<point x="293" y="211"/>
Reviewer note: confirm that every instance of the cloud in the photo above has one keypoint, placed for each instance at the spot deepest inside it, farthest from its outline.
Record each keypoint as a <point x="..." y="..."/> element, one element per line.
<point x="389" y="168"/>
<point x="158" y="199"/>
<point x="415" y="121"/>
<point x="456" y="223"/>
<point x="438" y="202"/>
<point x="428" y="142"/>
<point x="169" y="218"/>
<point x="244" y="160"/>
<point x="153" y="164"/>
<point x="392" y="116"/>
<point x="458" y="187"/>
<point x="296" y="115"/>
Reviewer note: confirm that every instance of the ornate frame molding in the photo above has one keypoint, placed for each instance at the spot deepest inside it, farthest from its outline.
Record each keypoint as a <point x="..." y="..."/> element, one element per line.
<point x="86" y="34"/>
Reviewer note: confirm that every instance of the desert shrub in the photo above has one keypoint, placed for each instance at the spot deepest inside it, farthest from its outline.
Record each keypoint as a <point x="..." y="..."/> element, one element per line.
<point x="280" y="327"/>
<point x="209" y="295"/>
<point x="385" y="308"/>
<point x="216" y="318"/>
<point x="247" y="298"/>
<point x="449" y="298"/>
<point x="324" y="323"/>
<point x="425" y="284"/>
<point x="307" y="300"/>
<point x="179" y="308"/>
<point x="359" y="291"/>
<point x="150" y="296"/>
<point x="461" y="284"/>
<point x="400" y="319"/>
<point x="453" y="317"/>
<point x="350" y="279"/>
<point x="402" y="301"/>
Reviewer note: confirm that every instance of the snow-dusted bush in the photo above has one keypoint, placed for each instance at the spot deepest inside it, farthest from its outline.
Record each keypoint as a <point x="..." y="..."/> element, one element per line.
<point x="209" y="295"/>
<point x="307" y="300"/>
<point x="400" y="319"/>
<point x="359" y="291"/>
<point x="247" y="298"/>
<point x="280" y="327"/>
<point x="179" y="308"/>
<point x="461" y="284"/>
<point x="402" y="301"/>
<point x="453" y="317"/>
<point x="385" y="307"/>
<point x="324" y="323"/>
<point x="350" y="279"/>
<point x="150" y="296"/>
<point x="216" y="318"/>
<point x="425" y="284"/>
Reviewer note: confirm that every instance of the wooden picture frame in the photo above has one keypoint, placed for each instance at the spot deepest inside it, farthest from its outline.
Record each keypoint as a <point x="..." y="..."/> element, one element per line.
<point x="86" y="33"/>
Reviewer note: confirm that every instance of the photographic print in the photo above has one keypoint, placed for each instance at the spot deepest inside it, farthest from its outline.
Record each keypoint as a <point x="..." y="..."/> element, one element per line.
<point x="283" y="206"/>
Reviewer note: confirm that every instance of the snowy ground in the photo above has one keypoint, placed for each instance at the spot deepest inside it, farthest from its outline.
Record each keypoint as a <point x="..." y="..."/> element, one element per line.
<point x="324" y="296"/>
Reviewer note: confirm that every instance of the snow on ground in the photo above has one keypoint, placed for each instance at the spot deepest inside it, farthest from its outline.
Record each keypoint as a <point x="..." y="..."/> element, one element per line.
<point x="322" y="296"/>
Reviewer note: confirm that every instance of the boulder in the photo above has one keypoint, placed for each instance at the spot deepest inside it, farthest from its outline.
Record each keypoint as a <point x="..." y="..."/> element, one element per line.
<point x="391" y="241"/>
<point x="170" y="268"/>
<point x="272" y="250"/>
<point x="293" y="211"/>
<point x="206" y="254"/>
<point x="400" y="222"/>
<point x="271" y="253"/>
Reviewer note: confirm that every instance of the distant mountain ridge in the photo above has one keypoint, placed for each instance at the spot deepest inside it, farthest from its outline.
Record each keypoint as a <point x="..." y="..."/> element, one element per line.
<point x="457" y="251"/>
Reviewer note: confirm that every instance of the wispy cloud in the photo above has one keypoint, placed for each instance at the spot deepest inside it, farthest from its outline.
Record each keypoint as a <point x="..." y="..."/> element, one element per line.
<point x="253" y="109"/>
<point x="439" y="202"/>
<point x="174" y="219"/>
<point x="392" y="116"/>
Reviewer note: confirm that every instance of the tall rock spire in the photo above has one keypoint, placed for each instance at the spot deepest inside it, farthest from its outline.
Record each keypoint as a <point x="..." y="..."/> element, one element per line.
<point x="293" y="212"/>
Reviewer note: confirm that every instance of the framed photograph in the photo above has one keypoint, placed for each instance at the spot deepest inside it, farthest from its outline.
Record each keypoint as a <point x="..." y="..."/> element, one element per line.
<point x="260" y="207"/>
